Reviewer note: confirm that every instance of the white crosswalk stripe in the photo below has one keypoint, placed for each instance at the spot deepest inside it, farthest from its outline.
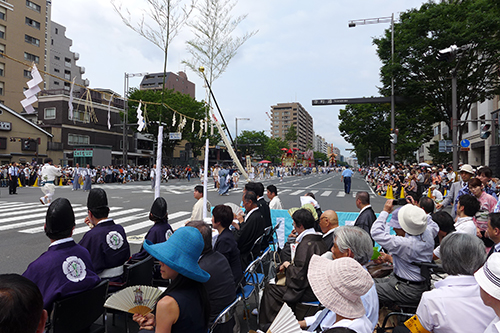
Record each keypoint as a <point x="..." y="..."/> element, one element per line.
<point x="326" y="193"/>
<point x="30" y="220"/>
<point x="297" y="192"/>
<point x="341" y="194"/>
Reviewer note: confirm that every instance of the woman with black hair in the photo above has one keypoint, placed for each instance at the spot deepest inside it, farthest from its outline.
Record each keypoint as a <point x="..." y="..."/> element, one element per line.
<point x="184" y="306"/>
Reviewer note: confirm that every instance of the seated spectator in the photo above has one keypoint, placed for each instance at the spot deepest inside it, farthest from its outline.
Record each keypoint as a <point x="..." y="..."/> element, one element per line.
<point x="328" y="222"/>
<point x="184" y="306"/>
<point x="487" y="277"/>
<point x="220" y="287"/>
<point x="339" y="285"/>
<point x="353" y="242"/>
<point x="22" y="305"/>
<point x="455" y="302"/>
<point x="65" y="268"/>
<point x="436" y="195"/>
<point x="222" y="217"/>
<point x="445" y="224"/>
<point x="296" y="288"/>
<point x="272" y="194"/>
<point x="467" y="207"/>
<point x="161" y="229"/>
<point x="105" y="241"/>
<point x="249" y="228"/>
<point x="412" y="243"/>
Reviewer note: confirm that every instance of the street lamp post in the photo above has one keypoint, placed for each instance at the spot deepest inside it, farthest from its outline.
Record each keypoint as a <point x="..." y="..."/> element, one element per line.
<point x="236" y="138"/>
<point x="125" y="115"/>
<point x="386" y="19"/>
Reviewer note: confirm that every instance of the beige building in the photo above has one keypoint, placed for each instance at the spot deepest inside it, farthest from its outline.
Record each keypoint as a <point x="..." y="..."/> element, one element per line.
<point x="286" y="114"/>
<point x="23" y="31"/>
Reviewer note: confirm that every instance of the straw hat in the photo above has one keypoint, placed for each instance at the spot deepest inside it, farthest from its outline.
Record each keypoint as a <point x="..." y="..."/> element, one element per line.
<point x="339" y="284"/>
<point x="488" y="276"/>
<point x="413" y="219"/>
<point x="181" y="253"/>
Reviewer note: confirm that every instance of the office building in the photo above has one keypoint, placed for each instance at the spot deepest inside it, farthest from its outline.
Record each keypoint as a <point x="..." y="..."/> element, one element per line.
<point x="178" y="82"/>
<point x="283" y="115"/>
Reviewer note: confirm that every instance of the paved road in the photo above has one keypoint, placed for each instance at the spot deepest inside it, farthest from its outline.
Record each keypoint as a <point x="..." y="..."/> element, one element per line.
<point x="22" y="216"/>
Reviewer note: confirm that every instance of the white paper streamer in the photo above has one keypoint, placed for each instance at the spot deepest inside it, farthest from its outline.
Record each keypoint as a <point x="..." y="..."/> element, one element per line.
<point x="109" y="111"/>
<point x="140" y="118"/>
<point x="173" y="120"/>
<point x="32" y="91"/>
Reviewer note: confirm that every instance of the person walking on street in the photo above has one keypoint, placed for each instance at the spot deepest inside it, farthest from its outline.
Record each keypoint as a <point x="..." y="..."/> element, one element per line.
<point x="346" y="178"/>
<point x="48" y="176"/>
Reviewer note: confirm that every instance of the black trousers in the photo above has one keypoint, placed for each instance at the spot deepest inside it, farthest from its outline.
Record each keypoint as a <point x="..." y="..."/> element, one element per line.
<point x="13" y="185"/>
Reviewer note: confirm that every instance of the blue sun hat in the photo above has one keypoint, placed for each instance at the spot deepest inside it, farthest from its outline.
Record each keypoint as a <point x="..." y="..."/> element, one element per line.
<point x="181" y="253"/>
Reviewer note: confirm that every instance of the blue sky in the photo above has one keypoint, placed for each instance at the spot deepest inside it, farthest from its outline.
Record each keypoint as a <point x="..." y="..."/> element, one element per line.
<point x="303" y="50"/>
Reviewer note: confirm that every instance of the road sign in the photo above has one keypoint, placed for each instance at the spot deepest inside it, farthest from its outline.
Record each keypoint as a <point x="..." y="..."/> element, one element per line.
<point x="175" y="136"/>
<point x="465" y="143"/>
<point x="464" y="149"/>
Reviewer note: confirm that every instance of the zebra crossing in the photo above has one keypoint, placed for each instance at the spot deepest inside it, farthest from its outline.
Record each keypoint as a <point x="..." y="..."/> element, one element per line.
<point x="183" y="189"/>
<point x="29" y="218"/>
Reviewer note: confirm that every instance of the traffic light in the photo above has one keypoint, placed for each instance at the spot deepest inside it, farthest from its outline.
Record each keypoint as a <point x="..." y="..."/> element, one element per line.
<point x="447" y="54"/>
<point x="485" y="131"/>
<point x="394" y="138"/>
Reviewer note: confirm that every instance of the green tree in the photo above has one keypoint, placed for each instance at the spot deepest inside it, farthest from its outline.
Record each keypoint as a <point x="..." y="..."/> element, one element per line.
<point x="182" y="103"/>
<point x="291" y="134"/>
<point x="252" y="143"/>
<point x="425" y="82"/>
<point x="320" y="156"/>
<point x="273" y="149"/>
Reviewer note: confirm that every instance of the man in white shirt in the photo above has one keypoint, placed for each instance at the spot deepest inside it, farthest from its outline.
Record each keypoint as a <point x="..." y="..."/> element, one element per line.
<point x="48" y="176"/>
<point x="272" y="194"/>
<point x="197" y="213"/>
<point x="487" y="277"/>
<point x="455" y="303"/>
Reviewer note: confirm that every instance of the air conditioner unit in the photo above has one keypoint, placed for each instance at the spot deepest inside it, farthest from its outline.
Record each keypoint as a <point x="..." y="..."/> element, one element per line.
<point x="82" y="70"/>
<point x="76" y="55"/>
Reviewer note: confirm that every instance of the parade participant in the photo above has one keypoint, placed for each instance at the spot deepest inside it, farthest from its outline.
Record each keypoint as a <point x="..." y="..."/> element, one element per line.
<point x="160" y="231"/>
<point x="197" y="212"/>
<point x="87" y="178"/>
<point x="339" y="285"/>
<point x="297" y="288"/>
<point x="413" y="242"/>
<point x="106" y="241"/>
<point x="65" y="268"/>
<point x="346" y="178"/>
<point x="184" y="306"/>
<point x="222" y="217"/>
<point x="455" y="302"/>
<point x="48" y="176"/>
<point x="77" y="172"/>
<point x="152" y="174"/>
<point x="272" y="194"/>
<point x="13" y="176"/>
<point x="22" y="305"/>
<point x="223" y="183"/>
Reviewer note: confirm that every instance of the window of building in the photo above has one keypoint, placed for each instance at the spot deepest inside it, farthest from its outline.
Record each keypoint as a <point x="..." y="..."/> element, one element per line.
<point x="2" y="49"/>
<point x="31" y="57"/>
<point x="2" y="69"/>
<point x="56" y="83"/>
<point x="76" y="139"/>
<point x="67" y="86"/>
<point x="27" y="74"/>
<point x="67" y="75"/>
<point x="1" y="89"/>
<point x="2" y="31"/>
<point x="57" y="58"/>
<point x="436" y="130"/>
<point x="32" y="5"/>
<point x="3" y="12"/>
<point x="31" y="40"/>
<point x="67" y="62"/>
<point x="57" y="31"/>
<point x="56" y="70"/>
<point x="32" y="23"/>
<point x="79" y="115"/>
<point x="3" y="143"/>
<point x="49" y="113"/>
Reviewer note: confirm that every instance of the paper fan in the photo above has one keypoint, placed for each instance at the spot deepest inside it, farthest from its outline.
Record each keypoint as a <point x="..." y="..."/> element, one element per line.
<point x="285" y="322"/>
<point x="134" y="299"/>
<point x="235" y="208"/>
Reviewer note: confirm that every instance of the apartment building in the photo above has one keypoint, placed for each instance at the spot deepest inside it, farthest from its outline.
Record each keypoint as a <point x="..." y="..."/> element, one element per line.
<point x="24" y="27"/>
<point x="283" y="115"/>
<point x="320" y="144"/>
<point x="178" y="82"/>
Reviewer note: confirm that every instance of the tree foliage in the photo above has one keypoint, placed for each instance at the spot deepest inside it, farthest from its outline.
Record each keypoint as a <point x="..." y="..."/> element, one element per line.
<point x="425" y="82"/>
<point x="214" y="45"/>
<point x="182" y="103"/>
<point x="273" y="149"/>
<point x="291" y="134"/>
<point x="252" y="142"/>
<point x="438" y="157"/>
<point x="319" y="156"/>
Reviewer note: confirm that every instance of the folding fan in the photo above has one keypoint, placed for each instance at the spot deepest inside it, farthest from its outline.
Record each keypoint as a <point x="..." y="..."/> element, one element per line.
<point x="285" y="322"/>
<point x="134" y="299"/>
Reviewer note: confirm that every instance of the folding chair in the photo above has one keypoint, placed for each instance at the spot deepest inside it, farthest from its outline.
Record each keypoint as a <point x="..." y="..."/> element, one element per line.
<point x="139" y="273"/>
<point x="226" y="315"/>
<point x="251" y="286"/>
<point x="78" y="313"/>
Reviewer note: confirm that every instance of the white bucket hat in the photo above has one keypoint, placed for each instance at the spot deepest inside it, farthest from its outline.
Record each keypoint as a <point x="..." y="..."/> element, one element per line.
<point x="413" y="219"/>
<point x="466" y="168"/>
<point x="488" y="276"/>
<point x="339" y="284"/>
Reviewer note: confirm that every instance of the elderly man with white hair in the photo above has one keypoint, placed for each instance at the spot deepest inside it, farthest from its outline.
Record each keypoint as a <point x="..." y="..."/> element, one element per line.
<point x="455" y="302"/>
<point x="356" y="243"/>
<point x="414" y="242"/>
